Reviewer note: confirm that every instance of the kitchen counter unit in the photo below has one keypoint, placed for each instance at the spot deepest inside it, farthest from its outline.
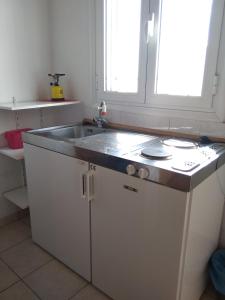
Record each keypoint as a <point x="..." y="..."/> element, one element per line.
<point x="184" y="169"/>
<point x="137" y="215"/>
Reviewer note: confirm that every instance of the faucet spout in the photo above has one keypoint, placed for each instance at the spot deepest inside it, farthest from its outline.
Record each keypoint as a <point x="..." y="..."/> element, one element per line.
<point x="102" y="111"/>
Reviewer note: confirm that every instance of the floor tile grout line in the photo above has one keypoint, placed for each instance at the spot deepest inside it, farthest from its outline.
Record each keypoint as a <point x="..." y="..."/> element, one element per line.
<point x="34" y="292"/>
<point x="2" y="251"/>
<point x="78" y="291"/>
<point x="11" y="285"/>
<point x="10" y="268"/>
<point x="22" y="278"/>
<point x="28" y="274"/>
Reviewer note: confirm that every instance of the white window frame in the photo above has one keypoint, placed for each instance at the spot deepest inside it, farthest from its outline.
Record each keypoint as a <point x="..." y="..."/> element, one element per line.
<point x="205" y="101"/>
<point x="147" y="65"/>
<point x="138" y="97"/>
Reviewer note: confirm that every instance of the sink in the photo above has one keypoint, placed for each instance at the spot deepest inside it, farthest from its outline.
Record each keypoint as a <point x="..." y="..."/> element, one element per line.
<point x="73" y="132"/>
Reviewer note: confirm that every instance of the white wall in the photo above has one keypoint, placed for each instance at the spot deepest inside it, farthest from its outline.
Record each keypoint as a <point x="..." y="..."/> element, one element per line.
<point x="33" y="36"/>
<point x="25" y="49"/>
<point x="72" y="50"/>
<point x="25" y="62"/>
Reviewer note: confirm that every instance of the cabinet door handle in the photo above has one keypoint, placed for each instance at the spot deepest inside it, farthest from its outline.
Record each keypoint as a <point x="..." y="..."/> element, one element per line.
<point x="90" y="185"/>
<point x="87" y="186"/>
<point x="130" y="188"/>
<point x="83" y="186"/>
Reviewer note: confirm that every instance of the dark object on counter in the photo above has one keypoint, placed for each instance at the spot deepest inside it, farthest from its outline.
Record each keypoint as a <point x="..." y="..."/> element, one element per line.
<point x="205" y="140"/>
<point x="217" y="270"/>
<point x="14" y="138"/>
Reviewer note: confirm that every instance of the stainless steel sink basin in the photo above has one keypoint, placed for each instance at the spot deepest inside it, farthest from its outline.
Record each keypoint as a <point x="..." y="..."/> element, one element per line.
<point x="73" y="132"/>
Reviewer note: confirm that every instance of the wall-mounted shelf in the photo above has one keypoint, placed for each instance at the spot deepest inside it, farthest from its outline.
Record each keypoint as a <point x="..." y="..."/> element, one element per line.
<point x="10" y="106"/>
<point x="17" y="154"/>
<point x="18" y="196"/>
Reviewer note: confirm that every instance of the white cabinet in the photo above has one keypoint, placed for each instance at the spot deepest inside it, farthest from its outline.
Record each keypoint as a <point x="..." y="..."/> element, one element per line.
<point x="137" y="237"/>
<point x="60" y="214"/>
<point x="150" y="241"/>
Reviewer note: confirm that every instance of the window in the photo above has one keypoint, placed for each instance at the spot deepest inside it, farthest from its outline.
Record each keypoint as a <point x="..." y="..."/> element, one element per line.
<point x="158" y="53"/>
<point x="181" y="49"/>
<point x="121" y="42"/>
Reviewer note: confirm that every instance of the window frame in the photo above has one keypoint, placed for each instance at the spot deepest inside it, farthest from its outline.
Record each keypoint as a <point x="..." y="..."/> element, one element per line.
<point x="205" y="101"/>
<point x="138" y="97"/>
<point x="146" y="97"/>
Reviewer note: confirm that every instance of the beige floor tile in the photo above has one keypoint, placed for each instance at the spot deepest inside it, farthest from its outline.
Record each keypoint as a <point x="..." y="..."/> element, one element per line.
<point x="55" y="282"/>
<point x="90" y="293"/>
<point x="7" y="277"/>
<point x="25" y="257"/>
<point x="12" y="234"/>
<point x="18" y="291"/>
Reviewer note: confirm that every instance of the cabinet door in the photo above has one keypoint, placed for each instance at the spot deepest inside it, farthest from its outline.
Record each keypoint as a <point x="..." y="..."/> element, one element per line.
<point x="60" y="218"/>
<point x="137" y="237"/>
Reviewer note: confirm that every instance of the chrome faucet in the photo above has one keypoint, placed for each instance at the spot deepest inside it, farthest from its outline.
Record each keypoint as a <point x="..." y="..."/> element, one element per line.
<point x="102" y="111"/>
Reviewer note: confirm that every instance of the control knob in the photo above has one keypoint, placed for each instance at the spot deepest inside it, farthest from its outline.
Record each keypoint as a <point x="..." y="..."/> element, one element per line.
<point x="143" y="173"/>
<point x="131" y="170"/>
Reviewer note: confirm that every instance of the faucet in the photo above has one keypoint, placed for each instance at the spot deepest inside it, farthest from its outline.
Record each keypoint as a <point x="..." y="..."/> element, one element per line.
<point x="102" y="111"/>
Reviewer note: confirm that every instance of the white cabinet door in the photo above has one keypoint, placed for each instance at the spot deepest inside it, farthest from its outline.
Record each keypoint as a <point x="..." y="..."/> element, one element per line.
<point x="137" y="237"/>
<point x="60" y="217"/>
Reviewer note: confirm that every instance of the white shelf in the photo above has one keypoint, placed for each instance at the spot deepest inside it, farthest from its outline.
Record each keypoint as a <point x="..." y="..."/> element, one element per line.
<point x="17" y="154"/>
<point x="35" y="104"/>
<point x="18" y="196"/>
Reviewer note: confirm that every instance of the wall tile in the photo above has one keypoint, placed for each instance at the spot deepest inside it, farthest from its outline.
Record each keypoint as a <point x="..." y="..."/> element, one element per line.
<point x="184" y="126"/>
<point x="129" y="118"/>
<point x="114" y="116"/>
<point x="155" y="122"/>
<point x="144" y="120"/>
<point x="212" y="129"/>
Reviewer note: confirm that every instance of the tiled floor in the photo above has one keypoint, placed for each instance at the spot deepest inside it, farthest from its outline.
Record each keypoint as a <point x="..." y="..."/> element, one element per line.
<point x="27" y="272"/>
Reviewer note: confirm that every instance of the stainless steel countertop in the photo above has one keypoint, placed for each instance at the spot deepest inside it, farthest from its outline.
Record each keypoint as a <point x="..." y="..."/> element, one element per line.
<point x="117" y="149"/>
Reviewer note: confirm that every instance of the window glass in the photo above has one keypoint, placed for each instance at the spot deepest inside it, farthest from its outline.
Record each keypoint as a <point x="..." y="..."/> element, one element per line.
<point x="122" y="20"/>
<point x="182" y="45"/>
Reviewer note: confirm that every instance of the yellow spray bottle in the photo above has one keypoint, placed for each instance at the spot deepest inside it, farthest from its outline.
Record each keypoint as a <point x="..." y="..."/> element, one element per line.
<point x="56" y="89"/>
